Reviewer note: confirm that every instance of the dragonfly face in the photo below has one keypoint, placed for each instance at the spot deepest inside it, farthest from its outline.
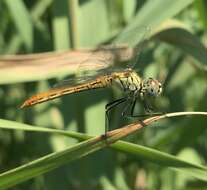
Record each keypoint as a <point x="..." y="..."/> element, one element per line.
<point x="151" y="87"/>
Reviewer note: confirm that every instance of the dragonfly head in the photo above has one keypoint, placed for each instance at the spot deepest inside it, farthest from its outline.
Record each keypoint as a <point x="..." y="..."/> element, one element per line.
<point x="151" y="87"/>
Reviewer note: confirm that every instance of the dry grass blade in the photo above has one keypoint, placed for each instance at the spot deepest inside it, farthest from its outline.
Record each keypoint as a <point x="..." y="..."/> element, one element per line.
<point x="34" y="67"/>
<point x="117" y="134"/>
<point x="57" y="159"/>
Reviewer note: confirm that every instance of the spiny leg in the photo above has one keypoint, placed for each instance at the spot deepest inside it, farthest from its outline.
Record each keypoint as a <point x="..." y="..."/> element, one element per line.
<point x="148" y="109"/>
<point x="125" y="110"/>
<point x="109" y="107"/>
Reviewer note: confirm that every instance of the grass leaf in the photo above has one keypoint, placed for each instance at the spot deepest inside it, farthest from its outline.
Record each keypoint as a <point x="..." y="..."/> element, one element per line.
<point x="54" y="160"/>
<point x="22" y="21"/>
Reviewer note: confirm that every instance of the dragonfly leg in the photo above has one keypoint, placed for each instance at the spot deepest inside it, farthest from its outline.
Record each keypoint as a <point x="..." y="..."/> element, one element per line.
<point x="131" y="105"/>
<point x="109" y="107"/>
<point x="148" y="109"/>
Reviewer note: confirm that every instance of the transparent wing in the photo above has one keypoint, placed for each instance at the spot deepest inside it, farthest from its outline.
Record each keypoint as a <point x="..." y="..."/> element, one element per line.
<point x="98" y="63"/>
<point x="104" y="60"/>
<point x="105" y="57"/>
<point x="84" y="78"/>
<point x="138" y="49"/>
<point x="135" y="38"/>
<point x="125" y="48"/>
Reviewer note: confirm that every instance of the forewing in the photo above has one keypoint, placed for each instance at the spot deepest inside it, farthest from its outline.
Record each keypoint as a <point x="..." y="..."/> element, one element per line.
<point x="135" y="38"/>
<point x="104" y="59"/>
<point x="83" y="78"/>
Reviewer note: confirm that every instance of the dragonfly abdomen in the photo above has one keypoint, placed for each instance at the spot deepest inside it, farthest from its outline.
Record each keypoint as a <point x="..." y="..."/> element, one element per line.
<point x="99" y="82"/>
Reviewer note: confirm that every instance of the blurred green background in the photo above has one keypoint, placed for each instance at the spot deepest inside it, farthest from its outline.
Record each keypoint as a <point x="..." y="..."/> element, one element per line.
<point x="175" y="53"/>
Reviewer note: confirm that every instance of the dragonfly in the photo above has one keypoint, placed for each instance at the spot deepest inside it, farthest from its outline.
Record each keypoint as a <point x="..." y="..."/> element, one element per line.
<point x="129" y="81"/>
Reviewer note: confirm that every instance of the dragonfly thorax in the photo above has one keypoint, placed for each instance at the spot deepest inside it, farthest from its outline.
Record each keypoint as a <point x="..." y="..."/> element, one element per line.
<point x="128" y="80"/>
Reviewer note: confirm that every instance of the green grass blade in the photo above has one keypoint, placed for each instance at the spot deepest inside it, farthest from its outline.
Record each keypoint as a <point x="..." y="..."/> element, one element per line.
<point x="40" y="8"/>
<point x="22" y="21"/>
<point x="177" y="34"/>
<point x="186" y="41"/>
<point x="13" y="125"/>
<point x="163" y="159"/>
<point x="49" y="162"/>
<point x="54" y="160"/>
<point x="61" y="25"/>
<point x="100" y="29"/>
<point x="202" y="11"/>
<point x="152" y="14"/>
